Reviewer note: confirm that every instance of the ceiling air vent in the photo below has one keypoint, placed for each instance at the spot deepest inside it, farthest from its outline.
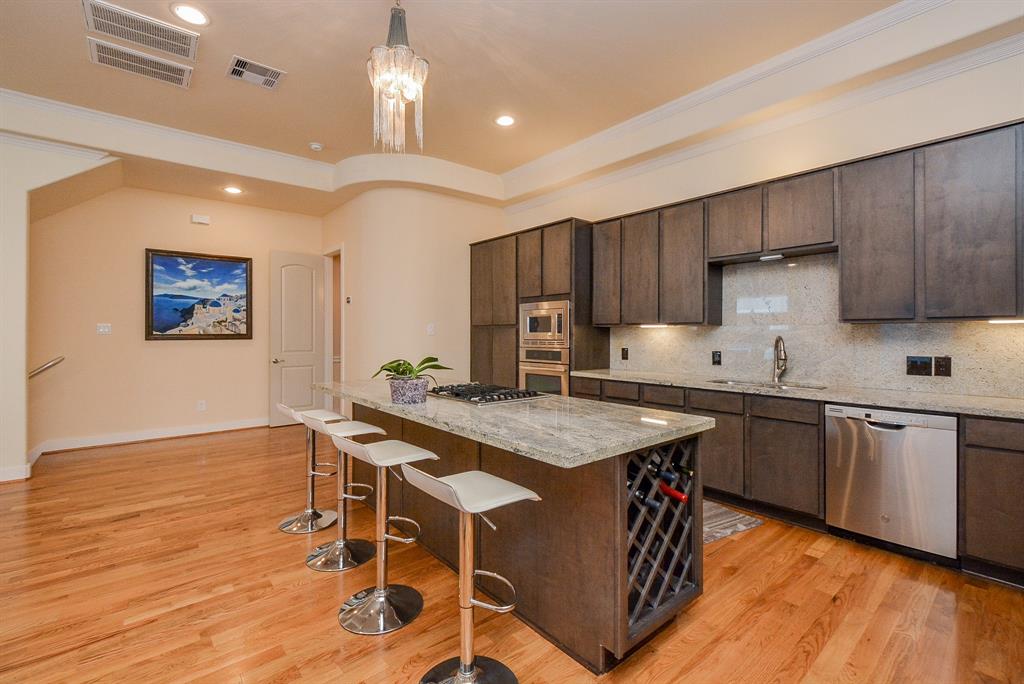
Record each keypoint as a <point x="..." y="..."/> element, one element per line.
<point x="125" y="59"/>
<point x="254" y="72"/>
<point x="111" y="20"/>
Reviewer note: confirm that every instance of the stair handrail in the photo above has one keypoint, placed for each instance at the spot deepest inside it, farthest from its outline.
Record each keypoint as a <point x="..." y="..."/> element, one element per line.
<point x="45" y="367"/>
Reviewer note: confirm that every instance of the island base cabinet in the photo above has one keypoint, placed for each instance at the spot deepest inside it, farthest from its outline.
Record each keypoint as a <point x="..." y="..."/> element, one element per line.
<point x="785" y="464"/>
<point x="364" y="473"/>
<point x="439" y="521"/>
<point x="619" y="557"/>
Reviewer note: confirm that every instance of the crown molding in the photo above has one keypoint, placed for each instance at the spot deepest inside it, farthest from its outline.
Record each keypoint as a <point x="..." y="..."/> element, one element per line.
<point x="49" y="146"/>
<point x="646" y="132"/>
<point x="1007" y="48"/>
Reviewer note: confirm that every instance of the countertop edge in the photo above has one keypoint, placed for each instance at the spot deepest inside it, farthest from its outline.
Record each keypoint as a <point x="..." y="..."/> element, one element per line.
<point x="909" y="400"/>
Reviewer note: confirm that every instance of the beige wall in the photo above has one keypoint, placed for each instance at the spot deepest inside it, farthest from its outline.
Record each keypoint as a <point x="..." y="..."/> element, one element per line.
<point x="24" y="165"/>
<point x="406" y="264"/>
<point x="972" y="99"/>
<point x="87" y="267"/>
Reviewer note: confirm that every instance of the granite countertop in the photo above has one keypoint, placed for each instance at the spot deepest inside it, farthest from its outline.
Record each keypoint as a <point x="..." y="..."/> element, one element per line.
<point x="561" y="431"/>
<point x="996" y="407"/>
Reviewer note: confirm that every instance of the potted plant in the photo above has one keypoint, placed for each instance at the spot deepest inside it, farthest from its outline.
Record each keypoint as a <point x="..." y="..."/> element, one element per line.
<point x="409" y="382"/>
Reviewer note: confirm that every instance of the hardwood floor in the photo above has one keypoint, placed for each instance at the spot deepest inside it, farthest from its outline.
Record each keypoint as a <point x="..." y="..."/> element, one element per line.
<point x="161" y="562"/>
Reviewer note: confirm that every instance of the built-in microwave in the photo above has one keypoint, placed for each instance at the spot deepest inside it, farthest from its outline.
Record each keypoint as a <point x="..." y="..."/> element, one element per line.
<point x="544" y="324"/>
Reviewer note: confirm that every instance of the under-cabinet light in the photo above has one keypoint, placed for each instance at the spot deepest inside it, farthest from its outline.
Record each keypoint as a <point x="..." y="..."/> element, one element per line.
<point x="772" y="257"/>
<point x="654" y="325"/>
<point x="1007" y="321"/>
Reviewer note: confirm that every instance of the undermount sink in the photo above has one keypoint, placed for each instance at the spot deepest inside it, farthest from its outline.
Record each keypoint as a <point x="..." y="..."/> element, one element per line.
<point x="772" y="385"/>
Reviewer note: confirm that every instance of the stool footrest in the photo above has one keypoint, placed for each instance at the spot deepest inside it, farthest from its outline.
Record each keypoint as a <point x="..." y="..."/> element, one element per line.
<point x="356" y="497"/>
<point x="403" y="540"/>
<point x="491" y="606"/>
<point x="317" y="473"/>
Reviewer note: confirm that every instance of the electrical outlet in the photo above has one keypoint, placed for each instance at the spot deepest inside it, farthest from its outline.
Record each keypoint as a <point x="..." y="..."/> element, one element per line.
<point x="716" y="358"/>
<point x="104" y="328"/>
<point x="944" y="366"/>
<point x="431" y="328"/>
<point x="919" y="365"/>
<point x="625" y="353"/>
<point x="201" y="405"/>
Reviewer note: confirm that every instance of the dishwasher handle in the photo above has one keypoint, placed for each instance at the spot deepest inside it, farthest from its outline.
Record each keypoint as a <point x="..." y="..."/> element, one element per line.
<point x="884" y="427"/>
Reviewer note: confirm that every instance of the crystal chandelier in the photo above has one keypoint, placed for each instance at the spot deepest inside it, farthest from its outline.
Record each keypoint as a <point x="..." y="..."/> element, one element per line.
<point x="397" y="76"/>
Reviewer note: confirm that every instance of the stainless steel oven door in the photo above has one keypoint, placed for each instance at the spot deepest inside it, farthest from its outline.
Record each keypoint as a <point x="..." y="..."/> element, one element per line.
<point x="550" y="378"/>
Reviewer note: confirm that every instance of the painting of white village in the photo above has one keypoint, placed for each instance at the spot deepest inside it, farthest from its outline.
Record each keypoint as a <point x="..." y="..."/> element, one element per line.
<point x="197" y="296"/>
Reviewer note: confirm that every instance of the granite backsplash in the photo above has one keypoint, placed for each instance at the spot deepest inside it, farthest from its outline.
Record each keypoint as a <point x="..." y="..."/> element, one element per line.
<point x="799" y="299"/>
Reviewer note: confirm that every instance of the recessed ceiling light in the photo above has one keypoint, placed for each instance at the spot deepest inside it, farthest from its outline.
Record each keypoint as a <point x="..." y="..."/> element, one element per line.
<point x="232" y="190"/>
<point x="505" y="120"/>
<point x="316" y="147"/>
<point x="192" y="15"/>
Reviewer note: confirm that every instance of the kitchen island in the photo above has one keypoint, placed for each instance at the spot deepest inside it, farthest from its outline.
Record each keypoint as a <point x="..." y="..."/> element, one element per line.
<point x="610" y="554"/>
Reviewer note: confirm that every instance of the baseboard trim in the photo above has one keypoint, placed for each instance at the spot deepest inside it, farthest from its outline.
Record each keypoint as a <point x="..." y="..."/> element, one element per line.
<point x="67" y="443"/>
<point x="15" y="473"/>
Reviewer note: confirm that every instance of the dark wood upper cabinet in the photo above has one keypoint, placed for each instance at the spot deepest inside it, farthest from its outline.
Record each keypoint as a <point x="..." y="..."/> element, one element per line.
<point x="801" y="211"/>
<point x="734" y="223"/>
<point x="607" y="277"/>
<point x="970" y="217"/>
<point x="528" y="264"/>
<point x="681" y="264"/>
<point x="503" y="282"/>
<point x="480" y="283"/>
<point x="557" y="270"/>
<point x="640" y="268"/>
<point x="876" y="240"/>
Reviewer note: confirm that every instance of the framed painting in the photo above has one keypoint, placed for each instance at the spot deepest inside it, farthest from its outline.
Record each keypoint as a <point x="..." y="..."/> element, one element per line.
<point x="193" y="296"/>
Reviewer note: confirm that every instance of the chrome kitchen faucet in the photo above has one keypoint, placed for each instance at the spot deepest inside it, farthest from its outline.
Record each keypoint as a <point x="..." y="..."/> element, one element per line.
<point x="779" y="365"/>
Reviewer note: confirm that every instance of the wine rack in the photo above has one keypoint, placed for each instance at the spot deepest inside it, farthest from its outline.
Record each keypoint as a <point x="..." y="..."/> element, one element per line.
<point x="660" y="529"/>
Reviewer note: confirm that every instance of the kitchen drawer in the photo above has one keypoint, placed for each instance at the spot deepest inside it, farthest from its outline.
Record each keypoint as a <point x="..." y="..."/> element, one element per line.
<point x="726" y="402"/>
<point x="628" y="391"/>
<point x="587" y="386"/>
<point x="666" y="396"/>
<point x="795" y="410"/>
<point x="995" y="434"/>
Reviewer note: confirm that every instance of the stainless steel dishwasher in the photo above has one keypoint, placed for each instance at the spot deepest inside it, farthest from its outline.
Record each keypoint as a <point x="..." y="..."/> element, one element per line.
<point x="892" y="476"/>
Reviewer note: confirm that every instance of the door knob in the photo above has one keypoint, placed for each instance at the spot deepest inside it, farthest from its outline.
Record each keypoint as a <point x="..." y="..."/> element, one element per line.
<point x="276" y="361"/>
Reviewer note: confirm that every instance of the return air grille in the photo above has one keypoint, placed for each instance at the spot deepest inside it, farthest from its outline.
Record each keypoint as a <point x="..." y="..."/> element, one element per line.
<point x="111" y="20"/>
<point x="132" y="61"/>
<point x="253" y="72"/>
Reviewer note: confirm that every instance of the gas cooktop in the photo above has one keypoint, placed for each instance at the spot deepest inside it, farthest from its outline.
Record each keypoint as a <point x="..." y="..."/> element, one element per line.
<point x="480" y="394"/>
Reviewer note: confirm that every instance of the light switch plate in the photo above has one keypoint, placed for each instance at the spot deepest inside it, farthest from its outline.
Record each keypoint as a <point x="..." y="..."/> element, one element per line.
<point x="625" y="353"/>
<point x="104" y="328"/>
<point x="919" y="365"/>
<point x="431" y="328"/>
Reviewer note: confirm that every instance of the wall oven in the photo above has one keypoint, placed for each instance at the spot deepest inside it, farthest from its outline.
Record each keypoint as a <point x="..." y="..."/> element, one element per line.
<point x="544" y="347"/>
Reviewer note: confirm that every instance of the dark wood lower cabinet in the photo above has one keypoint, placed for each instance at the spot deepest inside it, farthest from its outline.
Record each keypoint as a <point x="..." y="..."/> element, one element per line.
<point x="439" y="521"/>
<point x="785" y="464"/>
<point x="722" y="452"/>
<point x="367" y="474"/>
<point x="994" y="506"/>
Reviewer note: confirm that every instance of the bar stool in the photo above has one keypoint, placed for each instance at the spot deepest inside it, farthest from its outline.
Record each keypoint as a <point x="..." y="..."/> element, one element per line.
<point x="311" y="518"/>
<point x="471" y="493"/>
<point x="384" y="607"/>
<point x="344" y="553"/>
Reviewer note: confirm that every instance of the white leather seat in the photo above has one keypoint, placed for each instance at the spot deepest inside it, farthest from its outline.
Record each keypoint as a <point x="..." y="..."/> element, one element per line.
<point x="473" y="491"/>
<point x="384" y="454"/>
<point x="352" y="428"/>
<point x="319" y="419"/>
<point x="288" y="412"/>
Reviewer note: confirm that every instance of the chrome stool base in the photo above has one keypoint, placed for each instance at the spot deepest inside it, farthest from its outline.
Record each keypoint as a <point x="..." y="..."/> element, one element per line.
<point x="379" y="611"/>
<point x="341" y="555"/>
<point x="308" y="522"/>
<point x="485" y="671"/>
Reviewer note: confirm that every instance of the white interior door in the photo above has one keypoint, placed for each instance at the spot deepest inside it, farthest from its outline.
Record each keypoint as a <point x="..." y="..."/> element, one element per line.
<point x="296" y="331"/>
